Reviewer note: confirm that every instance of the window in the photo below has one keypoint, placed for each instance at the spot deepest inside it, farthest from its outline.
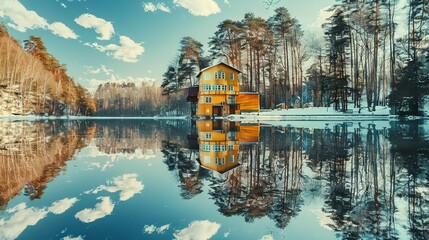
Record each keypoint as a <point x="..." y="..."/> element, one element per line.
<point x="207" y="76"/>
<point x="208" y="99"/>
<point x="230" y="88"/>
<point x="230" y="147"/>
<point x="231" y="158"/>
<point x="231" y="76"/>
<point x="223" y="148"/>
<point x="216" y="148"/>
<point x="208" y="135"/>
<point x="220" y="161"/>
<point x="206" y="87"/>
<point x="223" y="87"/>
<point x="219" y="74"/>
<point x="206" y="159"/>
<point x="206" y="147"/>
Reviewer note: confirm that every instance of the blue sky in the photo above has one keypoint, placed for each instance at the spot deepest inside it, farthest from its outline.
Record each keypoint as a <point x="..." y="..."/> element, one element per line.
<point x="133" y="40"/>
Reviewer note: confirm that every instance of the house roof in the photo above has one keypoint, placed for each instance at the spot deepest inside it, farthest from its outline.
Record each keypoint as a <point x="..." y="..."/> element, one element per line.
<point x="221" y="63"/>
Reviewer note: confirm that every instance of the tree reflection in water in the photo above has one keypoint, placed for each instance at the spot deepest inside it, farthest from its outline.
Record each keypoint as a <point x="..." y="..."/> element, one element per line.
<point x="34" y="153"/>
<point x="370" y="177"/>
<point x="373" y="178"/>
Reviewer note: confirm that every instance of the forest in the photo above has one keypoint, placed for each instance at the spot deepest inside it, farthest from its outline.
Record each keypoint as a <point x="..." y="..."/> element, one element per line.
<point x="360" y="62"/>
<point x="130" y="99"/>
<point x="32" y="81"/>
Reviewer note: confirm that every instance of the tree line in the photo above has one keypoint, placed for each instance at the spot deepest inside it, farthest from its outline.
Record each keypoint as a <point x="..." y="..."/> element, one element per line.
<point x="28" y="70"/>
<point x="363" y="60"/>
<point x="131" y="99"/>
<point x="360" y="61"/>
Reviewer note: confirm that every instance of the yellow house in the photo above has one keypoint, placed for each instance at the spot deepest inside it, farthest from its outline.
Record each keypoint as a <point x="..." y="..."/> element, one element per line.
<point x="219" y="143"/>
<point x="219" y="92"/>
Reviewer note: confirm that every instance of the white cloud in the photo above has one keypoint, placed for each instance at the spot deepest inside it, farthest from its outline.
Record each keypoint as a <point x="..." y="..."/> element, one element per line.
<point x="162" y="7"/>
<point x="73" y="238"/>
<point x="22" y="218"/>
<point x="62" y="30"/>
<point x="198" y="230"/>
<point x="96" y="70"/>
<point x="267" y="237"/>
<point x="151" y="7"/>
<point x="127" y="185"/>
<point x="199" y="7"/>
<point x="127" y="51"/>
<point x="61" y="206"/>
<point x="63" y="5"/>
<point x="149" y="229"/>
<point x="163" y="228"/>
<point x="23" y="19"/>
<point x="102" y="209"/>
<point x="101" y="26"/>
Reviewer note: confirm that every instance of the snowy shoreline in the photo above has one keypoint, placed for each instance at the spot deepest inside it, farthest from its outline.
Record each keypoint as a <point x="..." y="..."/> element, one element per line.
<point x="322" y="114"/>
<point x="315" y="114"/>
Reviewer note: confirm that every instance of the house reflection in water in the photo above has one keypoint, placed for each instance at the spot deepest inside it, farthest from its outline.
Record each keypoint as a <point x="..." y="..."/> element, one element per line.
<point x="219" y="143"/>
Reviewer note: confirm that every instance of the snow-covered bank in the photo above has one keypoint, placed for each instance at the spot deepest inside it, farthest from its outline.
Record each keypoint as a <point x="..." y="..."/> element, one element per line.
<point x="318" y="124"/>
<point x="319" y="114"/>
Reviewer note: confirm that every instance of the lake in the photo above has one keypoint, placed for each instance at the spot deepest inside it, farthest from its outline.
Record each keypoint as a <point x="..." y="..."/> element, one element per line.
<point x="178" y="179"/>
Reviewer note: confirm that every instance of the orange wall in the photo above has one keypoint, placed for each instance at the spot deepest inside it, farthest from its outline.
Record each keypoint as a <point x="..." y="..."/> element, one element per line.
<point x="211" y="155"/>
<point x="225" y="81"/>
<point x="248" y="101"/>
<point x="248" y="134"/>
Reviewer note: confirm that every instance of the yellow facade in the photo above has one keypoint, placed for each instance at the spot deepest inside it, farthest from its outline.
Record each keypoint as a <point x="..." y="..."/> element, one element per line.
<point x="219" y="91"/>
<point x="219" y="143"/>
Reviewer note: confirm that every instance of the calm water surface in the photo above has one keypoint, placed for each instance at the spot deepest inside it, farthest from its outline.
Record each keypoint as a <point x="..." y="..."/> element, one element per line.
<point x="142" y="179"/>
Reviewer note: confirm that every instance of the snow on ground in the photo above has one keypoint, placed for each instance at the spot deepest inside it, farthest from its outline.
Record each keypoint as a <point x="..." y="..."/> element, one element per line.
<point x="318" y="113"/>
<point x="321" y="124"/>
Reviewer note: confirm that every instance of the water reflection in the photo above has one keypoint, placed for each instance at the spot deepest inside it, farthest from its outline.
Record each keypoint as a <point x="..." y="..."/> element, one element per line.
<point x="269" y="179"/>
<point x="358" y="180"/>
<point x="374" y="179"/>
<point x="33" y="154"/>
<point x="219" y="143"/>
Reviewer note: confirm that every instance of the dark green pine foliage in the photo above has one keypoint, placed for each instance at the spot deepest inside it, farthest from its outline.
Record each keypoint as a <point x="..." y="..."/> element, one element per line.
<point x="413" y="79"/>
<point x="171" y="83"/>
<point x="337" y="36"/>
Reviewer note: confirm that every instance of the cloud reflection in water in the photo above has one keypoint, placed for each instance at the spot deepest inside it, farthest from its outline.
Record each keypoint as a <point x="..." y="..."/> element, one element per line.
<point x="102" y="209"/>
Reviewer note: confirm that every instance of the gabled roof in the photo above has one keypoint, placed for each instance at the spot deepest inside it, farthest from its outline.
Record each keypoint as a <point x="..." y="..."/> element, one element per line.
<point x="221" y="63"/>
